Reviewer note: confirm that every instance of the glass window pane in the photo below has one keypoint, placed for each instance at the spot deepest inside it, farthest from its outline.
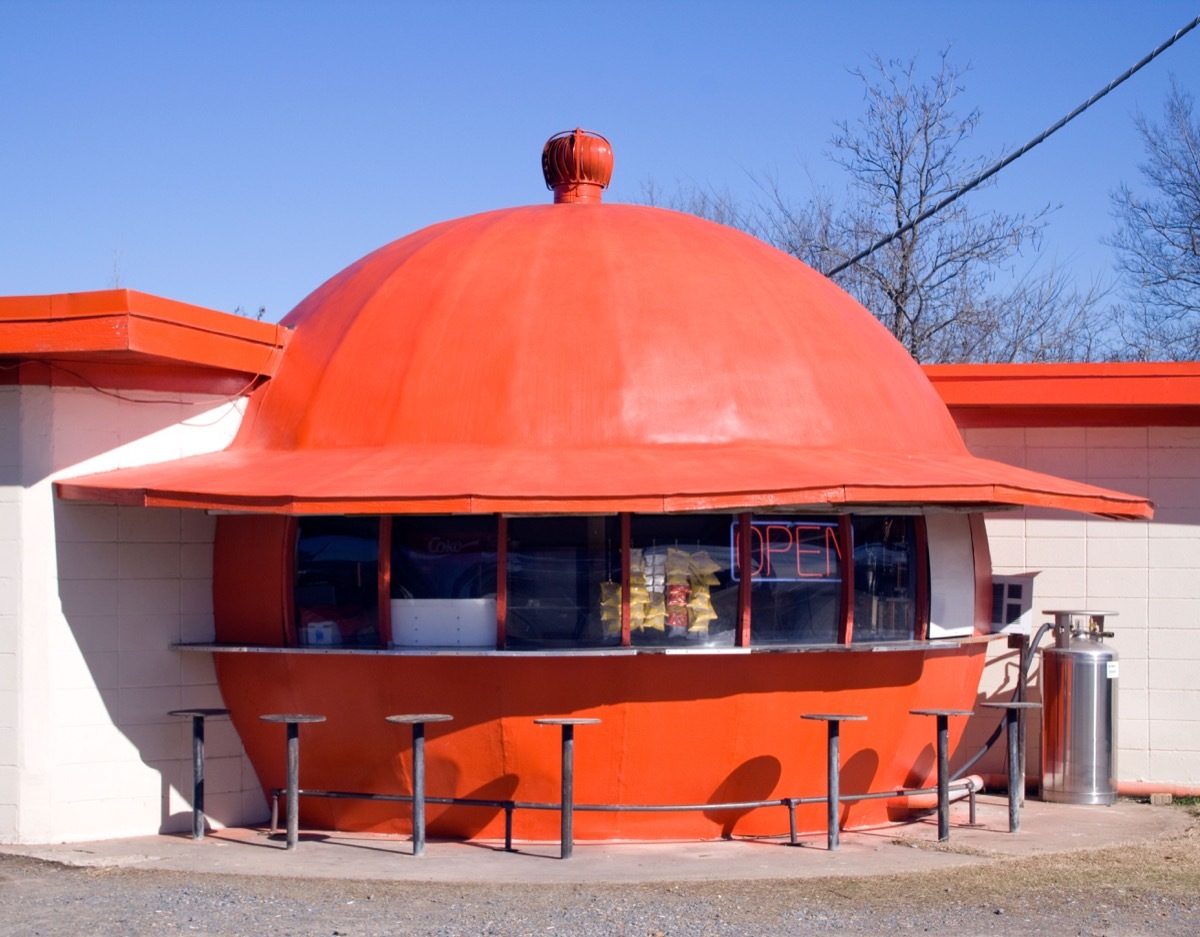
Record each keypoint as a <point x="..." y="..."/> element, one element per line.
<point x="562" y="573"/>
<point x="337" y="580"/>
<point x="796" y="578"/>
<point x="682" y="590"/>
<point x="443" y="556"/>
<point x="443" y="580"/>
<point x="885" y="592"/>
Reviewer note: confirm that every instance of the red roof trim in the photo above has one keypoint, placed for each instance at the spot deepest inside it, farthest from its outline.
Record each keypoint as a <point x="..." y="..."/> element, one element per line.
<point x="127" y="339"/>
<point x="518" y="480"/>
<point x="1109" y="394"/>
<point x="1113" y="384"/>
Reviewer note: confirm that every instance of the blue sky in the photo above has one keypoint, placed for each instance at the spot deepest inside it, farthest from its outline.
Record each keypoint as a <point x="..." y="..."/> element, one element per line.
<point x="237" y="154"/>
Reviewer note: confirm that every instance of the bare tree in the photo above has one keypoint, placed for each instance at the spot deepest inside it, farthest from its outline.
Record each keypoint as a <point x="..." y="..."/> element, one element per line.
<point x="1158" y="237"/>
<point x="956" y="287"/>
<point x="719" y="205"/>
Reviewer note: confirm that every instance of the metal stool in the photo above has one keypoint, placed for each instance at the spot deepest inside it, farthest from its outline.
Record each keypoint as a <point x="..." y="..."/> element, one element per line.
<point x="1016" y="782"/>
<point x="418" y="721"/>
<point x="943" y="763"/>
<point x="197" y="717"/>
<point x="833" y="792"/>
<point x="293" y="721"/>
<point x="567" y="809"/>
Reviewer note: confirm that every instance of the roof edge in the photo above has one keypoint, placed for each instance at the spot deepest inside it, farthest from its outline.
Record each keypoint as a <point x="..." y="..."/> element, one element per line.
<point x="1113" y="385"/>
<point x="127" y="339"/>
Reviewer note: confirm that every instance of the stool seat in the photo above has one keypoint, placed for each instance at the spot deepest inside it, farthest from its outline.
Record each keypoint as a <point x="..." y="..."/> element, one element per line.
<point x="411" y="718"/>
<point x="942" y="712"/>
<point x="198" y="712"/>
<point x="567" y="721"/>
<point x="834" y="717"/>
<point x="1013" y="704"/>
<point x="292" y="717"/>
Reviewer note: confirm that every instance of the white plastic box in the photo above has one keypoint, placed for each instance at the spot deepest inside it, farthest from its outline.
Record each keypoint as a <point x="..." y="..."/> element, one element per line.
<point x="320" y="632"/>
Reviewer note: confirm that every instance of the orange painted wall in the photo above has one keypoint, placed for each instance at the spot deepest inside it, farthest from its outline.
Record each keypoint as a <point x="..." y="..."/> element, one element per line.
<point x="676" y="729"/>
<point x="252" y="578"/>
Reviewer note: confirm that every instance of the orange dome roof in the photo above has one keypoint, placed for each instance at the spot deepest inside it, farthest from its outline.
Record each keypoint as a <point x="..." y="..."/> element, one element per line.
<point x="593" y="326"/>
<point x="582" y="356"/>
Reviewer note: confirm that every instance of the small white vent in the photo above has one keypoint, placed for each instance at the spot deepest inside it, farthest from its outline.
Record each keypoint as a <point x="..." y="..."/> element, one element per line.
<point x="1012" y="604"/>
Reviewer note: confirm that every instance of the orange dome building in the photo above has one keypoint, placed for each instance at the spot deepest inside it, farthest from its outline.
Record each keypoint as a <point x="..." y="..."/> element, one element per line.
<point x="595" y="460"/>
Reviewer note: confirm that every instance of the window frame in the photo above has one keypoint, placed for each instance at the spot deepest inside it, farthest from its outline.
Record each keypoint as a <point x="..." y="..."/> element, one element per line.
<point x="743" y="632"/>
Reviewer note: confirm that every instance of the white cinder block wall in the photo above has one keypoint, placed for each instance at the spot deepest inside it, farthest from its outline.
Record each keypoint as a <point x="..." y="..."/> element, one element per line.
<point x="10" y="599"/>
<point x="91" y="599"/>
<point x="1147" y="572"/>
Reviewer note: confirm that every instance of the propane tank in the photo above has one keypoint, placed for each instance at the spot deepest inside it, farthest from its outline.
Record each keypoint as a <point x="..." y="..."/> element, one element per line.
<point x="1079" y="711"/>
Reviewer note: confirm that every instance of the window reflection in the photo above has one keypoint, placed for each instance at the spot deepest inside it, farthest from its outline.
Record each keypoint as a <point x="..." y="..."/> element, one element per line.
<point x="337" y="581"/>
<point x="443" y="581"/>
<point x="443" y="557"/>
<point x="564" y="580"/>
<point x="885" y="593"/>
<point x="681" y="585"/>
<point x="560" y="572"/>
<point x="795" y="595"/>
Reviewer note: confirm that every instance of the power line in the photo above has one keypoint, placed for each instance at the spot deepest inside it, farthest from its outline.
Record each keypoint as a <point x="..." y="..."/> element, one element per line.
<point x="991" y="171"/>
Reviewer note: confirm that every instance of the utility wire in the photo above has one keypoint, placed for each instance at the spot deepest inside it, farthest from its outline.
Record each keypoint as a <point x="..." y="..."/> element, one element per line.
<point x="988" y="173"/>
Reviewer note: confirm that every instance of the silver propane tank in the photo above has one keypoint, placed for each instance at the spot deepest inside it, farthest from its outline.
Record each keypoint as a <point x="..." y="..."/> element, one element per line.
<point x="1079" y="711"/>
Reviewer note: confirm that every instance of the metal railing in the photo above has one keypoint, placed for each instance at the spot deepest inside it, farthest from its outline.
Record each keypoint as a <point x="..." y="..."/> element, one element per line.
<point x="511" y="806"/>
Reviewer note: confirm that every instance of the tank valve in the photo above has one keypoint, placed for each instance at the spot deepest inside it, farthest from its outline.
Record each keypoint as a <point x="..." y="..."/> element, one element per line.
<point x="1069" y="625"/>
<point x="1096" y="628"/>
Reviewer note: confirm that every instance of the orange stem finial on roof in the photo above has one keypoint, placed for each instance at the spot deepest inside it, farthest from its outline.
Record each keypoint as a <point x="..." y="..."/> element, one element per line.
<point x="577" y="164"/>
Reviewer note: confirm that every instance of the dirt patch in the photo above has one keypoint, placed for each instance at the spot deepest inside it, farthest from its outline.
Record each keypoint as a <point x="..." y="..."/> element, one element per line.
<point x="1150" y="888"/>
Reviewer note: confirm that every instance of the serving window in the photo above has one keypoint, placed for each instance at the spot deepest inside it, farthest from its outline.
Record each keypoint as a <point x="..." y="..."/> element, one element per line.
<point x="885" y="578"/>
<point x="560" y="573"/>
<point x="682" y="589"/>
<point x="594" y="581"/>
<point x="796" y="579"/>
<point x="337" y="576"/>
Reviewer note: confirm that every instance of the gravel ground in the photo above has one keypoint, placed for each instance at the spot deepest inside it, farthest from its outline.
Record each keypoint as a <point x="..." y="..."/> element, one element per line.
<point x="1140" y="890"/>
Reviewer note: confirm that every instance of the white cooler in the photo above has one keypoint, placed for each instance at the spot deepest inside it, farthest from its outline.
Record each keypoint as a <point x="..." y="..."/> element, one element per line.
<point x="444" y="622"/>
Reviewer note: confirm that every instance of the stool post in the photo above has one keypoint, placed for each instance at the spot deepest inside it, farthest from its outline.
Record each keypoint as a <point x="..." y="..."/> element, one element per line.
<point x="1016" y="783"/>
<point x="943" y="777"/>
<point x="833" y="795"/>
<point x="567" y="805"/>
<point x="197" y="777"/>
<point x="197" y="717"/>
<point x="418" y="788"/>
<point x="1016" y="778"/>
<point x="418" y="722"/>
<point x="943" y="764"/>
<point x="292" y="721"/>
<point x="567" y="814"/>
<point x="293" y="784"/>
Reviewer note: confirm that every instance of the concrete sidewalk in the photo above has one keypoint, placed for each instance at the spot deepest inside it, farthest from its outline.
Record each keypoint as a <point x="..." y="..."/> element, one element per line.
<point x="1045" y="829"/>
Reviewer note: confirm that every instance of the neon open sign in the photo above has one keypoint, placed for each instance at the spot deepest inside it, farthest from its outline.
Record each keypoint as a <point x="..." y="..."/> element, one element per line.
<point x="788" y="551"/>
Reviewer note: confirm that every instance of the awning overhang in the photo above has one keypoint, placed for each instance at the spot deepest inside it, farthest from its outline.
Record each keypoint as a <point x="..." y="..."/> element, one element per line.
<point x="652" y="478"/>
<point x="123" y="339"/>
